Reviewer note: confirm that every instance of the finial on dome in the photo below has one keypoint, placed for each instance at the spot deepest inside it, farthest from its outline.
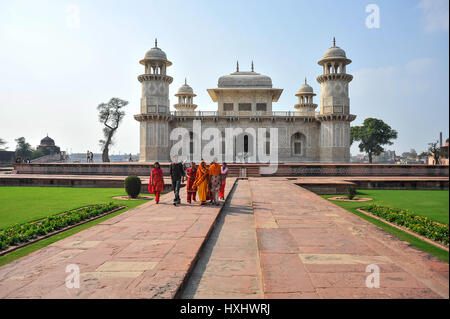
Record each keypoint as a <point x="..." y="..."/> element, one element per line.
<point x="305" y="80"/>
<point x="334" y="41"/>
<point x="237" y="66"/>
<point x="253" y="67"/>
<point x="185" y="82"/>
<point x="156" y="42"/>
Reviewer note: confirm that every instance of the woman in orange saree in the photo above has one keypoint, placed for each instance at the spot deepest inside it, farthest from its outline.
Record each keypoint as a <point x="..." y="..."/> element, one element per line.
<point x="156" y="184"/>
<point x="215" y="180"/>
<point x="201" y="182"/>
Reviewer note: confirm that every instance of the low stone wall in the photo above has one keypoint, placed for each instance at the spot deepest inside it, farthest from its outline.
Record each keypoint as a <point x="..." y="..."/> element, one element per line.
<point x="251" y="170"/>
<point x="361" y="170"/>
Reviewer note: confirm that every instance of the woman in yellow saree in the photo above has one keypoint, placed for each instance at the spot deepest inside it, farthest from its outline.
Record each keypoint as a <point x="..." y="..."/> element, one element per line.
<point x="201" y="182"/>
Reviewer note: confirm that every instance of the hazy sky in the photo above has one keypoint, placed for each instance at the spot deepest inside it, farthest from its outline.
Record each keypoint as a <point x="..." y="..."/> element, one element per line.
<point x="60" y="59"/>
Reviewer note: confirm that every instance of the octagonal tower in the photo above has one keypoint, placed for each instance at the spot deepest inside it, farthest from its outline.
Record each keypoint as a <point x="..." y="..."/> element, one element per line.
<point x="334" y="115"/>
<point x="155" y="106"/>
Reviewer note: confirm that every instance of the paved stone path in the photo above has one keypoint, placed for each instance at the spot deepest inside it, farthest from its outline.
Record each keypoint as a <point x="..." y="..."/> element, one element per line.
<point x="229" y="265"/>
<point x="310" y="248"/>
<point x="145" y="252"/>
<point x="307" y="247"/>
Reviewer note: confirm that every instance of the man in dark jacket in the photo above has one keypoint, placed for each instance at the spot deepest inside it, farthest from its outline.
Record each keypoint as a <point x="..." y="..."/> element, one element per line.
<point x="177" y="174"/>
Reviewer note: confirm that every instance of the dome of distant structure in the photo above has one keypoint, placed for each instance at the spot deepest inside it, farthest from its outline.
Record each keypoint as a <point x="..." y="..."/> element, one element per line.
<point x="47" y="141"/>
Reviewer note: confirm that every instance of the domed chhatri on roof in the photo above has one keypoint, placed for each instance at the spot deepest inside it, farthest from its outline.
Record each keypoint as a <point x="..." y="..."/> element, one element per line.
<point x="185" y="89"/>
<point x="305" y="89"/>
<point x="334" y="53"/>
<point x="47" y="141"/>
<point x="185" y="96"/>
<point x="155" y="54"/>
<point x="241" y="79"/>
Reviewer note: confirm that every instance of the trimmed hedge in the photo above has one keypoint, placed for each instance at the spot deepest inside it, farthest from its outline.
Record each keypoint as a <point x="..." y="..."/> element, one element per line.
<point x="133" y="186"/>
<point x="21" y="233"/>
<point x="419" y="224"/>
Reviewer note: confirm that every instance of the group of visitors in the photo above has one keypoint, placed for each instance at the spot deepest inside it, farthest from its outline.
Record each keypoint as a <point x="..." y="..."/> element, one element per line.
<point x="206" y="182"/>
<point x="89" y="157"/>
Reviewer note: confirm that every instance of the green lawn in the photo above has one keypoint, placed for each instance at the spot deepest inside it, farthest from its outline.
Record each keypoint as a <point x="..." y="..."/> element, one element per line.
<point x="431" y="203"/>
<point x="22" y="204"/>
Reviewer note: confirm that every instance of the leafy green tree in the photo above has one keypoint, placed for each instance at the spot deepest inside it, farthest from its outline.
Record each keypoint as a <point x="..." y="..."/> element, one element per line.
<point x="23" y="149"/>
<point x="110" y="114"/>
<point x="372" y="135"/>
<point x="435" y="151"/>
<point x="2" y="142"/>
<point x="37" y="154"/>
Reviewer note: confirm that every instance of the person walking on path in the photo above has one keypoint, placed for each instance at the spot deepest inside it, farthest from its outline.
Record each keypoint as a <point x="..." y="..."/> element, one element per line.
<point x="191" y="172"/>
<point x="223" y="175"/>
<point x="177" y="175"/>
<point x="215" y="180"/>
<point x="156" y="184"/>
<point x="201" y="182"/>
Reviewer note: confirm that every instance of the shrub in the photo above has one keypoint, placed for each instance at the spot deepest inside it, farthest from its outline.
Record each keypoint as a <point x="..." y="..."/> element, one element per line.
<point x="419" y="224"/>
<point x="15" y="234"/>
<point x="133" y="186"/>
<point x="351" y="192"/>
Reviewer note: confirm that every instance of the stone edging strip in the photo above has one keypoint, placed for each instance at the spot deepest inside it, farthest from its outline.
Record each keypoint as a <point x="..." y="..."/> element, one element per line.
<point x="3" y="253"/>
<point x="188" y="273"/>
<point x="432" y="242"/>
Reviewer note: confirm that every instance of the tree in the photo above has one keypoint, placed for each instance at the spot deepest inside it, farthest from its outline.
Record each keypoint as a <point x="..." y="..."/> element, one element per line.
<point x="110" y="115"/>
<point x="2" y="142"/>
<point x="23" y="149"/>
<point x="435" y="151"/>
<point x="372" y="134"/>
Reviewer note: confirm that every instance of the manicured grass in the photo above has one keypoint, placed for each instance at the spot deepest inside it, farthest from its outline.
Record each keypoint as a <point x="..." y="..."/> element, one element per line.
<point x="433" y="204"/>
<point x="430" y="203"/>
<point x="23" y="204"/>
<point x="41" y="201"/>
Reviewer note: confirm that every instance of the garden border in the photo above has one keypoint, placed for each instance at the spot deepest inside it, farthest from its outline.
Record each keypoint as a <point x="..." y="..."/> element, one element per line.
<point x="404" y="229"/>
<point x="10" y="250"/>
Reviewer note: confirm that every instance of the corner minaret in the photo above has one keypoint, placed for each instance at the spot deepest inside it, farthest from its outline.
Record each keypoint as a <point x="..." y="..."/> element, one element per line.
<point x="306" y="106"/>
<point x="185" y="96"/>
<point x="334" y="112"/>
<point x="155" y="106"/>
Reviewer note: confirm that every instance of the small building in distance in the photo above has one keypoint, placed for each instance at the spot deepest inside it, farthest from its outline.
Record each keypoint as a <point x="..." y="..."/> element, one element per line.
<point x="48" y="146"/>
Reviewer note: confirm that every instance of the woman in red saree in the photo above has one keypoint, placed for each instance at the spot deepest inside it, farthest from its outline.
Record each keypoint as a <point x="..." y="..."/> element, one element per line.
<point x="201" y="182"/>
<point x="191" y="172"/>
<point x="223" y="175"/>
<point x="156" y="184"/>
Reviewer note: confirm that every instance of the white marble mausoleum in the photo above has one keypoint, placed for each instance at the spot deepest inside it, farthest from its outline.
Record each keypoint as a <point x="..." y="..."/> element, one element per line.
<point x="244" y="101"/>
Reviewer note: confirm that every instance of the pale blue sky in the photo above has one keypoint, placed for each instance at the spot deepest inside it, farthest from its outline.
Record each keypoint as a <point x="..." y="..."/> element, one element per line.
<point x="54" y="73"/>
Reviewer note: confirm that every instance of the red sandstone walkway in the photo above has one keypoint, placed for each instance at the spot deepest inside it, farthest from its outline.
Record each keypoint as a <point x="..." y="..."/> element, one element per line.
<point x="308" y="248"/>
<point x="229" y="265"/>
<point x="145" y="252"/>
<point x="311" y="248"/>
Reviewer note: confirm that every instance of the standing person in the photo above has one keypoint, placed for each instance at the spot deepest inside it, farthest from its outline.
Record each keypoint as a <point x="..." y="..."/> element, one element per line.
<point x="91" y="155"/>
<point x="130" y="159"/>
<point x="223" y="175"/>
<point x="88" y="156"/>
<point x="156" y="184"/>
<point x="177" y="175"/>
<point x="201" y="182"/>
<point x="215" y="180"/>
<point x="191" y="172"/>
